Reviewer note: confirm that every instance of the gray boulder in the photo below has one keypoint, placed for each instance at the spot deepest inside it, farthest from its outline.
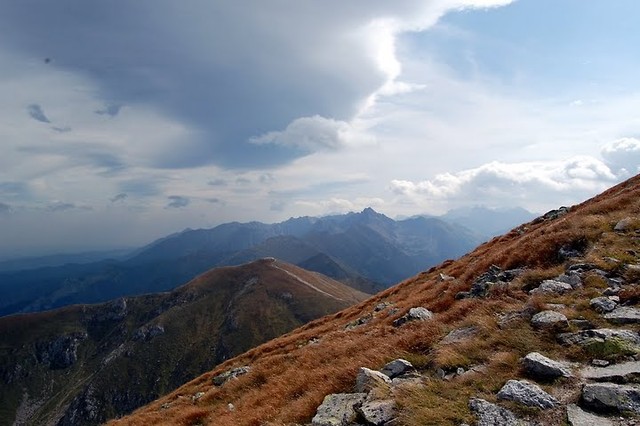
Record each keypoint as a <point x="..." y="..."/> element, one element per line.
<point x="623" y="315"/>
<point x="576" y="416"/>
<point x="222" y="378"/>
<point x="549" y="320"/>
<point x="396" y="368"/>
<point x="460" y="334"/>
<point x="539" y="366"/>
<point x="489" y="414"/>
<point x="338" y="409"/>
<point x="368" y="379"/>
<point x="527" y="393"/>
<point x="611" y="397"/>
<point x="586" y="337"/>
<point x="603" y="304"/>
<point x="572" y="278"/>
<point x="552" y="286"/>
<point x="379" y="412"/>
<point x="414" y="314"/>
<point x="618" y="373"/>
<point x="624" y="225"/>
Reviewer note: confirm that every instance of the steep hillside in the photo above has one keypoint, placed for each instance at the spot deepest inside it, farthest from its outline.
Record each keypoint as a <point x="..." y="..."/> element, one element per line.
<point x="84" y="364"/>
<point x="517" y="330"/>
<point x="366" y="250"/>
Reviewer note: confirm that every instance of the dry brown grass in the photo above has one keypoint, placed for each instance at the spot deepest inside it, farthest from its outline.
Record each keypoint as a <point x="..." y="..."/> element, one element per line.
<point x="289" y="378"/>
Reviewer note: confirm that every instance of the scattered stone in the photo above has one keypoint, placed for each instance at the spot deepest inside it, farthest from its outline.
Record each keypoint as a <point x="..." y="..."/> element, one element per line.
<point x="526" y="393"/>
<point x="197" y="396"/>
<point x="581" y="323"/>
<point x="624" y="315"/>
<point x="539" y="366"/>
<point x="632" y="268"/>
<point x="555" y="306"/>
<point x="407" y="380"/>
<point x="581" y="267"/>
<point x="599" y="362"/>
<point x="572" y="278"/>
<point x="459" y="371"/>
<point x="619" y="373"/>
<point x="359" y="321"/>
<point x="222" y="378"/>
<point x="414" y="314"/>
<point x="552" y="286"/>
<point x="611" y="291"/>
<point x="603" y="304"/>
<point x="578" y="417"/>
<point x="381" y="306"/>
<point x="459" y="334"/>
<point x="338" y="409"/>
<point x="610" y="396"/>
<point x="549" y="320"/>
<point x="445" y="277"/>
<point x="586" y="337"/>
<point x="396" y="368"/>
<point x="624" y="225"/>
<point x="489" y="414"/>
<point x="552" y="214"/>
<point x="368" y="379"/>
<point x="378" y="412"/>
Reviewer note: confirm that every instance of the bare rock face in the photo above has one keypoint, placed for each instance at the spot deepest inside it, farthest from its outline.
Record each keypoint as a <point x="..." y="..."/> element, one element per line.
<point x="539" y="366"/>
<point x="396" y="368"/>
<point x="338" y="409"/>
<point x="578" y="417"/>
<point x="611" y="397"/>
<point x="489" y="414"/>
<point x="619" y="373"/>
<point x="549" y="320"/>
<point x="527" y="393"/>
<point x="61" y="352"/>
<point x="368" y="380"/>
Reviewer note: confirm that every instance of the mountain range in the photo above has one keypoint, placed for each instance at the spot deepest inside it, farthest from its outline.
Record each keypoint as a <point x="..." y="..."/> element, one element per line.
<point x="365" y="250"/>
<point x="84" y="364"/>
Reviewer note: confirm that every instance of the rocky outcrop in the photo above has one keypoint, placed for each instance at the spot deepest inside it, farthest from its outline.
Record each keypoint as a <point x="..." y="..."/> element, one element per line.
<point x="539" y="366"/>
<point x="619" y="373"/>
<point x="611" y="397"/>
<point x="414" y="314"/>
<point x="222" y="378"/>
<point x="378" y="412"/>
<point x="147" y="333"/>
<point x="526" y="393"/>
<point x="396" y="368"/>
<point x="61" y="352"/>
<point x="338" y="409"/>
<point x="578" y="417"/>
<point x="489" y="414"/>
<point x="549" y="320"/>
<point x="483" y="284"/>
<point x="368" y="379"/>
<point x="552" y="287"/>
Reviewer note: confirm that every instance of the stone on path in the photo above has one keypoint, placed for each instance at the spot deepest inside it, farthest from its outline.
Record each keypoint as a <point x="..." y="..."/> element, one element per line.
<point x="576" y="416"/>
<point x="619" y="373"/>
<point x="610" y="396"/>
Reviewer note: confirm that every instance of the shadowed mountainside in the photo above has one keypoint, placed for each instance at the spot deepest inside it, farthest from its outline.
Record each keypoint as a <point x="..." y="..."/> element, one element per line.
<point x="84" y="364"/>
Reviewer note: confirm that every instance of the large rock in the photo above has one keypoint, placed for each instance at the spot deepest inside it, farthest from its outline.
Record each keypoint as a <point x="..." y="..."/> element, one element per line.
<point x="460" y="334"/>
<point x="578" y="417"/>
<point x="489" y="414"/>
<point x="552" y="287"/>
<point x="618" y="373"/>
<point x="603" y="304"/>
<point x="222" y="378"/>
<point x="611" y="397"/>
<point x="624" y="315"/>
<point x="338" y="409"/>
<point x="378" y="412"/>
<point x="539" y="366"/>
<point x="586" y="337"/>
<point x="624" y="225"/>
<point x="414" y="314"/>
<point x="549" y="320"/>
<point x="368" y="379"/>
<point x="526" y="393"/>
<point x="396" y="368"/>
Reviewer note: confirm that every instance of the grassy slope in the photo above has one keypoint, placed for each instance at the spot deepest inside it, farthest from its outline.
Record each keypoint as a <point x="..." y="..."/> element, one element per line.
<point x="218" y="315"/>
<point x="290" y="377"/>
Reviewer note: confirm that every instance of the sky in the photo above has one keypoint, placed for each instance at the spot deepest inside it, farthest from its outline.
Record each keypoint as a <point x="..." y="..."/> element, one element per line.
<point x="122" y="121"/>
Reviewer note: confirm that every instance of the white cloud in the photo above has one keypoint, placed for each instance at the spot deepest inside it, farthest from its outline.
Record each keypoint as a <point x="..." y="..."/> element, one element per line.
<point x="310" y="134"/>
<point x="623" y="156"/>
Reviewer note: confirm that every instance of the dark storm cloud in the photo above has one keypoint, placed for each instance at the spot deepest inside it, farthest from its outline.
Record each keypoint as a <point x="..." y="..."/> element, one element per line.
<point x="119" y="197"/>
<point x="229" y="70"/>
<point x="36" y="112"/>
<point x="176" y="202"/>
